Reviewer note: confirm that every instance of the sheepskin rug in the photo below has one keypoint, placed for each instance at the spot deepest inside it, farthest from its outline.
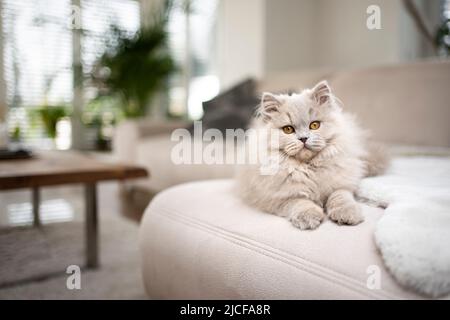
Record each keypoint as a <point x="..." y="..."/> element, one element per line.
<point x="414" y="233"/>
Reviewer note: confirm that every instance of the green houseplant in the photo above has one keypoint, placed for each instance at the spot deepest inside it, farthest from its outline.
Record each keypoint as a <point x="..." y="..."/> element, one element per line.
<point x="135" y="68"/>
<point x="50" y="115"/>
<point x="101" y="114"/>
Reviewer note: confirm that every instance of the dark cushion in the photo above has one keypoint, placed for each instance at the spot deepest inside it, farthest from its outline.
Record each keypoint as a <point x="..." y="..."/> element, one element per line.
<point x="231" y="109"/>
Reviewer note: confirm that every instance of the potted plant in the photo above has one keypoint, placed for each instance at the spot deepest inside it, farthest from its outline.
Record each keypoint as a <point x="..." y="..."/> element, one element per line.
<point x="134" y="69"/>
<point x="50" y="115"/>
<point x="99" y="118"/>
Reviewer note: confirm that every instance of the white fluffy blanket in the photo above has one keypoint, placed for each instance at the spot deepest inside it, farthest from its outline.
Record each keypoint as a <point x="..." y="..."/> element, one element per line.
<point x="414" y="233"/>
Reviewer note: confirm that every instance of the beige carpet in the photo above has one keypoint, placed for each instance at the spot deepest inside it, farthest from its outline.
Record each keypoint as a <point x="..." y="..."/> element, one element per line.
<point x="33" y="261"/>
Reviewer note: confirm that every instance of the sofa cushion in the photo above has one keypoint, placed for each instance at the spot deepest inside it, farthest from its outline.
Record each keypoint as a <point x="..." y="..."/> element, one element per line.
<point x="294" y="80"/>
<point x="408" y="103"/>
<point x="231" y="109"/>
<point x="198" y="240"/>
<point x="155" y="154"/>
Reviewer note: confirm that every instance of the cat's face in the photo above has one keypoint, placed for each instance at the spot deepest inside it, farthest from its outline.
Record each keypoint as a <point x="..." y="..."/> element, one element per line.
<point x="306" y="121"/>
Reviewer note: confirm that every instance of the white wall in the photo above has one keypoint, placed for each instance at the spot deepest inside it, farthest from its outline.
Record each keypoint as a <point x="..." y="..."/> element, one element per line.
<point x="333" y="33"/>
<point x="241" y="40"/>
<point x="343" y="39"/>
<point x="260" y="37"/>
<point x="413" y="45"/>
<point x="288" y="35"/>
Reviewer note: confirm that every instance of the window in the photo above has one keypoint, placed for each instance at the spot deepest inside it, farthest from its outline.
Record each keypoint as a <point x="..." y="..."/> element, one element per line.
<point x="37" y="59"/>
<point x="39" y="46"/>
<point x="192" y="29"/>
<point x="97" y="18"/>
<point x="446" y="9"/>
<point x="39" y="49"/>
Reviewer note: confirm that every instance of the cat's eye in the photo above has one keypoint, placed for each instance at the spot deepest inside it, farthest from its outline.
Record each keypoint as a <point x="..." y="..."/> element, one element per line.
<point x="314" y="125"/>
<point x="288" y="129"/>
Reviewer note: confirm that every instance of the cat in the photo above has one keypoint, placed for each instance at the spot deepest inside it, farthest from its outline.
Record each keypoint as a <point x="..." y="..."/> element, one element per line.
<point x="323" y="155"/>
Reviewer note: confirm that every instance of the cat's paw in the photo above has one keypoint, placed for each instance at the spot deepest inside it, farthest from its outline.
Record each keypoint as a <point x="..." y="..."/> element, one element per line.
<point x="309" y="218"/>
<point x="348" y="213"/>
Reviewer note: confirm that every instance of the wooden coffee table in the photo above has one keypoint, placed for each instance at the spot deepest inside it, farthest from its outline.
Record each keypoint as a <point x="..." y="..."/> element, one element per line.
<point x="53" y="168"/>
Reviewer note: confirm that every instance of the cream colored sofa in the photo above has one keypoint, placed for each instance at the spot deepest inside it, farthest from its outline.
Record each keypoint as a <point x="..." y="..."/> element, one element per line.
<point x="199" y="241"/>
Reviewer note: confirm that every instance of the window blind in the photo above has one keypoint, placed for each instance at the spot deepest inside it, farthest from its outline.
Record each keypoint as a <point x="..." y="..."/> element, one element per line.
<point x="37" y="59"/>
<point x="38" y="51"/>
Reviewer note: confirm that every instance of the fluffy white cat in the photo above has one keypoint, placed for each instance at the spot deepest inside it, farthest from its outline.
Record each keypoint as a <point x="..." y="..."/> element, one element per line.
<point x="322" y="153"/>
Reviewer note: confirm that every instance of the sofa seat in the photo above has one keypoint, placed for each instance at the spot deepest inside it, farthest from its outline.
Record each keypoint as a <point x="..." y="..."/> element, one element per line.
<point x="199" y="241"/>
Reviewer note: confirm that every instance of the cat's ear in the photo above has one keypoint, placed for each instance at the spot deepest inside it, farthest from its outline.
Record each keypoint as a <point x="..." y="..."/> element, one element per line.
<point x="321" y="93"/>
<point x="270" y="105"/>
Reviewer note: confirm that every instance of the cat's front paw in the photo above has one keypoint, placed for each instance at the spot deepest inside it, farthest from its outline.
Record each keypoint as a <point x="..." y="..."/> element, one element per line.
<point x="309" y="218"/>
<point x="348" y="213"/>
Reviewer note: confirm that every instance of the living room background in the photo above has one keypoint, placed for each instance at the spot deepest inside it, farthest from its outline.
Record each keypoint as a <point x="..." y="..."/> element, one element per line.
<point x="106" y="177"/>
<point x="39" y="51"/>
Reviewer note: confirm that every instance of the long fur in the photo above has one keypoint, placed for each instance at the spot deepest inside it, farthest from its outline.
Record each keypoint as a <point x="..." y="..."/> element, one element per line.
<point x="331" y="162"/>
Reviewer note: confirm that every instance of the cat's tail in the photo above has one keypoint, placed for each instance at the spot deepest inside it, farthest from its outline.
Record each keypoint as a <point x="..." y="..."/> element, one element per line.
<point x="377" y="159"/>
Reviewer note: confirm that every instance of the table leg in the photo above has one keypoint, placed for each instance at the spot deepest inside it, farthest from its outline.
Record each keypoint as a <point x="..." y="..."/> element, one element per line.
<point x="92" y="260"/>
<point x="35" y="204"/>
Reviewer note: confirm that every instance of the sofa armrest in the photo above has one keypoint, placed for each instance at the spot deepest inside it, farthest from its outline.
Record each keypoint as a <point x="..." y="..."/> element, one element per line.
<point x="128" y="133"/>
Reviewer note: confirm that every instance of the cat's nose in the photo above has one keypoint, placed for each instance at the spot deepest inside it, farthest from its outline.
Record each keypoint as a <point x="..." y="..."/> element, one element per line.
<point x="303" y="139"/>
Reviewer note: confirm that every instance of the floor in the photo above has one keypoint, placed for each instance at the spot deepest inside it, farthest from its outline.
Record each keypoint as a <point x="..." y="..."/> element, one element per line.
<point x="35" y="260"/>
